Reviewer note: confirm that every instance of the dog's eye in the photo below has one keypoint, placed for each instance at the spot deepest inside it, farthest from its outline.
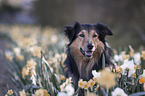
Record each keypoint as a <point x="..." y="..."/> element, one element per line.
<point x="82" y="35"/>
<point x="95" y="35"/>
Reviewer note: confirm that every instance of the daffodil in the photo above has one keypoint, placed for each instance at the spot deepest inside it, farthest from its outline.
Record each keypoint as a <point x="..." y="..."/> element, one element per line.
<point x="107" y="78"/>
<point x="65" y="84"/>
<point x="62" y="87"/>
<point x="69" y="80"/>
<point x="121" y="57"/>
<point x="125" y="56"/>
<point x="142" y="78"/>
<point x="91" y="83"/>
<point x="69" y="90"/>
<point x="41" y="92"/>
<point x="131" y="52"/>
<point x="66" y="88"/>
<point x="95" y="73"/>
<point x="118" y="58"/>
<point x="20" y="57"/>
<point x="123" y="53"/>
<point x="118" y="69"/>
<point x="143" y="55"/>
<point x="62" y="94"/>
<point x="134" y="75"/>
<point x="45" y="92"/>
<point x="53" y="39"/>
<point x="10" y="92"/>
<point x="80" y="83"/>
<point x="25" y="71"/>
<point x="9" y="55"/>
<point x="22" y="93"/>
<point x="31" y="64"/>
<point x="97" y="87"/>
<point x="62" y="77"/>
<point x="119" y="92"/>
<point x="85" y="85"/>
<point x="37" y="51"/>
<point x="128" y="65"/>
<point x="95" y="79"/>
<point x="26" y="41"/>
<point x="64" y="55"/>
<point x="137" y="58"/>
<point x="17" y="51"/>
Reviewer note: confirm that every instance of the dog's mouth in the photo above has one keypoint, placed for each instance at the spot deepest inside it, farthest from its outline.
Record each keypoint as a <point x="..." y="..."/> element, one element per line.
<point x="87" y="53"/>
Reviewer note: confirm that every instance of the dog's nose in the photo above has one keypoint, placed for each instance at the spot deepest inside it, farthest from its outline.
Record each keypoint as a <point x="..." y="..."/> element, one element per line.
<point x="90" y="46"/>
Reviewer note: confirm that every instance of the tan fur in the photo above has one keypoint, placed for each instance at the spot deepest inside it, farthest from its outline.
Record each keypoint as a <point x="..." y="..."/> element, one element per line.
<point x="83" y="63"/>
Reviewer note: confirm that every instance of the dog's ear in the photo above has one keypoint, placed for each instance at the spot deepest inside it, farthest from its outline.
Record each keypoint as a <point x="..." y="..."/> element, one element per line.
<point x="104" y="30"/>
<point x="70" y="31"/>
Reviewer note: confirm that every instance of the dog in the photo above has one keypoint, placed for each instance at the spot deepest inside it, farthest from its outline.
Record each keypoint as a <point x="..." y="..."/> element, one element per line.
<point x="86" y="48"/>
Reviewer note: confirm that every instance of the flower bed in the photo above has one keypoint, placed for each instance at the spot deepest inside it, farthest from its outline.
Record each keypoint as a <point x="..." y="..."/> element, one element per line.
<point x="37" y="57"/>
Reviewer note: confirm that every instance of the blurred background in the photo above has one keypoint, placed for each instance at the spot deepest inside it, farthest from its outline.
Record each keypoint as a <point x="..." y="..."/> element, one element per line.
<point x="125" y="18"/>
<point x="27" y="22"/>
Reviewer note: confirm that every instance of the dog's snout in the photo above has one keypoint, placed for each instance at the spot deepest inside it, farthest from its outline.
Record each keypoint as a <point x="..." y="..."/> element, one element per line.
<point x="90" y="46"/>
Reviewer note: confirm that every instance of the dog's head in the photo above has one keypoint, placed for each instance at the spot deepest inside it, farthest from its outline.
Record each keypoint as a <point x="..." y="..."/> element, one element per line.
<point x="87" y="39"/>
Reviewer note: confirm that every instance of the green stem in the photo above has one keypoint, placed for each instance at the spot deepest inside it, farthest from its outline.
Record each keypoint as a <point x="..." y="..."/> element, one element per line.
<point x="134" y="87"/>
<point x="77" y="91"/>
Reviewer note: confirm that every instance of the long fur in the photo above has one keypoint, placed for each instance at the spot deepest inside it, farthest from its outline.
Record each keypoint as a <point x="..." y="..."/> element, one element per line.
<point x="74" y="59"/>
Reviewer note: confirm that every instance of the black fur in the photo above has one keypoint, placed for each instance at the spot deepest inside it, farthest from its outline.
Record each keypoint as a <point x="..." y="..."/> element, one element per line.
<point x="71" y="67"/>
<point x="72" y="31"/>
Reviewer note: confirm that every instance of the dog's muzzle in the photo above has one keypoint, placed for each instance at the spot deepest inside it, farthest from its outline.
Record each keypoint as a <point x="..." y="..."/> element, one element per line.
<point x="86" y="53"/>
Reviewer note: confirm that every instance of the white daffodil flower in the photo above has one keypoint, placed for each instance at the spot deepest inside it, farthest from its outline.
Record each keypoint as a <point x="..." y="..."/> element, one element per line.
<point x="118" y="92"/>
<point x="69" y="90"/>
<point x="118" y="58"/>
<point x="62" y="94"/>
<point x="95" y="73"/>
<point x="137" y="58"/>
<point x="128" y="65"/>
<point x="17" y="51"/>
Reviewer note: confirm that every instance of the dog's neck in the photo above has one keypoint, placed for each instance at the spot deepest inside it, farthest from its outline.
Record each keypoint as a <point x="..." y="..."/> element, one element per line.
<point x="85" y="64"/>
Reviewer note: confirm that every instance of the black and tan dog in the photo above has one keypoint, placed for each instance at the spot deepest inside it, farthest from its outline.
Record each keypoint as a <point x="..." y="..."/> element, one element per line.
<point x="86" y="47"/>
